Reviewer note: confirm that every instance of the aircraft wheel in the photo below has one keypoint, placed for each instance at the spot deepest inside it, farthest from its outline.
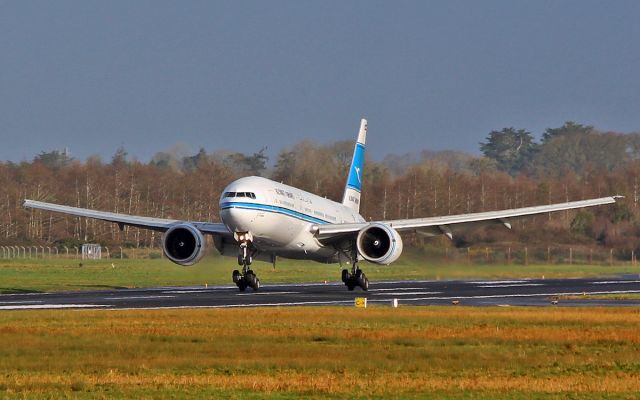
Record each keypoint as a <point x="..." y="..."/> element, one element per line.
<point x="363" y="282"/>
<point x="345" y="275"/>
<point x="236" y="276"/>
<point x="252" y="280"/>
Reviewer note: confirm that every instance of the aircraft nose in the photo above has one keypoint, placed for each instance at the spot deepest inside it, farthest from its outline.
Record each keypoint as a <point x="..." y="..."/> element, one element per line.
<point x="237" y="219"/>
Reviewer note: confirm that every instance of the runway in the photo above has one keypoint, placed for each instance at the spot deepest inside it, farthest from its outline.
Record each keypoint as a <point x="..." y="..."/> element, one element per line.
<point x="517" y="292"/>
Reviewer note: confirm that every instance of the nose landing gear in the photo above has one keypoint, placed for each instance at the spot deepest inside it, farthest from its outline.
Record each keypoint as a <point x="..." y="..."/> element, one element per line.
<point x="246" y="278"/>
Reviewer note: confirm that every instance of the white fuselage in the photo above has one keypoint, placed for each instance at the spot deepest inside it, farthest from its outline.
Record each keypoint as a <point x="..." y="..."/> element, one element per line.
<point x="280" y="217"/>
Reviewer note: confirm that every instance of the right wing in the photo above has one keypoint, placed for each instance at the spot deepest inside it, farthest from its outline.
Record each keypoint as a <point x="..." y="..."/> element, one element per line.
<point x="443" y="224"/>
<point x="156" y="224"/>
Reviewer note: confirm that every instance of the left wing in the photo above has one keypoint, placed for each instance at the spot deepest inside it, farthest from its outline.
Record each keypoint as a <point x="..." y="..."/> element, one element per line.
<point x="442" y="225"/>
<point x="157" y="224"/>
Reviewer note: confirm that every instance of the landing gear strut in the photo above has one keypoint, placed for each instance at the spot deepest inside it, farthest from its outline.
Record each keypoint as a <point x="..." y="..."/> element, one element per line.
<point x="246" y="278"/>
<point x="356" y="277"/>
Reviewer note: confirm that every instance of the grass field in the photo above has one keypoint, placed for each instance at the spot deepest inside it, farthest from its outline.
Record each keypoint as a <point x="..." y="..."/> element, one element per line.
<point x="285" y="353"/>
<point x="69" y="274"/>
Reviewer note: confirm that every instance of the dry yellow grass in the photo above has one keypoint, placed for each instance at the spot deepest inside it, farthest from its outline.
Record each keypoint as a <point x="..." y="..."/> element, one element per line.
<point x="322" y="352"/>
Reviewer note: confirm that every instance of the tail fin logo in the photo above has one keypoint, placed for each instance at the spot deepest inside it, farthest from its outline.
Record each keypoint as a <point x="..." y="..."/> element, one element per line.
<point x="355" y="175"/>
<point x="352" y="190"/>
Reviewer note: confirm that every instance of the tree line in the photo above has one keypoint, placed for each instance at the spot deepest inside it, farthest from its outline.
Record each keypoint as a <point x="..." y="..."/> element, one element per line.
<point x="571" y="162"/>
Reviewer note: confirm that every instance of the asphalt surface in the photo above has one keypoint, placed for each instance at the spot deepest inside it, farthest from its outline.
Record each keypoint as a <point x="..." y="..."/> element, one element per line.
<point x="517" y="292"/>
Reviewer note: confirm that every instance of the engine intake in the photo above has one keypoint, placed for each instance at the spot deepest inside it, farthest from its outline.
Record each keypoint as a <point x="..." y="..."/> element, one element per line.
<point x="183" y="244"/>
<point x="379" y="243"/>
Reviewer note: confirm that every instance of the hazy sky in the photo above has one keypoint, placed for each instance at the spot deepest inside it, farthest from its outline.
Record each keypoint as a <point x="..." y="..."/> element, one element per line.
<point x="94" y="75"/>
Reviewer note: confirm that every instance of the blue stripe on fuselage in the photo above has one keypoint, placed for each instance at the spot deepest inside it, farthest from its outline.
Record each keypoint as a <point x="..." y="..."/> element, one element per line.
<point x="274" y="209"/>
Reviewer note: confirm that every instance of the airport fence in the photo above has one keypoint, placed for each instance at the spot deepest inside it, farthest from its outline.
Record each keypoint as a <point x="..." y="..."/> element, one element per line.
<point x="522" y="255"/>
<point x="525" y="255"/>
<point x="73" y="252"/>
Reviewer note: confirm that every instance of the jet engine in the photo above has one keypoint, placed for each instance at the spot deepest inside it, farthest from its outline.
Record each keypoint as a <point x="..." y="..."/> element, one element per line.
<point x="183" y="244"/>
<point x="379" y="243"/>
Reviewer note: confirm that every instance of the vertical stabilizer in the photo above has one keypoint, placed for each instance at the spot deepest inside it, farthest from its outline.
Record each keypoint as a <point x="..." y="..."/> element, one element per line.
<point x="352" y="190"/>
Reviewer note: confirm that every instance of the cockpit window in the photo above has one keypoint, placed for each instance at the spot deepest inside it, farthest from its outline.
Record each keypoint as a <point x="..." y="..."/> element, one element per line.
<point x="250" y="195"/>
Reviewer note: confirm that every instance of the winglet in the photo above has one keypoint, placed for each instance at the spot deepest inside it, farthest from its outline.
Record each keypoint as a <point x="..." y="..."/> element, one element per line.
<point x="353" y="187"/>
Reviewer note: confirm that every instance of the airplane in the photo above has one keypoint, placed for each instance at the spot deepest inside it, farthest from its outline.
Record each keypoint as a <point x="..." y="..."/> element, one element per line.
<point x="263" y="219"/>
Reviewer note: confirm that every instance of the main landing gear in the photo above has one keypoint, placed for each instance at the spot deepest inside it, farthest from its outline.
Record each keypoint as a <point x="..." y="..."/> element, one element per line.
<point x="356" y="277"/>
<point x="245" y="256"/>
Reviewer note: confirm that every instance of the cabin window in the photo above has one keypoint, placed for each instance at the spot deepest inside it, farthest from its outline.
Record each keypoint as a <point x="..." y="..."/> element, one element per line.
<point x="230" y="194"/>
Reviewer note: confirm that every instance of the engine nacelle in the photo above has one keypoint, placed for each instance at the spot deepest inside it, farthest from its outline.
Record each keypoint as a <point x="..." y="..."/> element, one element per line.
<point x="183" y="244"/>
<point x="379" y="243"/>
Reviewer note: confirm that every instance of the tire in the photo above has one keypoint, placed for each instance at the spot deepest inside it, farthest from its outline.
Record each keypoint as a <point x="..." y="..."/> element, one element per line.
<point x="363" y="282"/>
<point x="242" y="285"/>
<point x="345" y="275"/>
<point x="256" y="284"/>
<point x="351" y="286"/>
<point x="240" y="259"/>
<point x="236" y="276"/>
<point x="252" y="280"/>
<point x="358" y="273"/>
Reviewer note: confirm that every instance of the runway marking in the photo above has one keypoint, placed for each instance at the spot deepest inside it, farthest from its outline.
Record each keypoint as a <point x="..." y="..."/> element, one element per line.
<point x="390" y="289"/>
<point x="264" y="293"/>
<point x="612" y="282"/>
<point x="22" y="302"/>
<point x="511" y="285"/>
<point x="26" y="294"/>
<point x="409" y="282"/>
<point x="494" y="282"/>
<point x="191" y="291"/>
<point x="329" y="283"/>
<point x="138" y="297"/>
<point x="52" y="306"/>
<point x="404" y="293"/>
<point x="500" y="296"/>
